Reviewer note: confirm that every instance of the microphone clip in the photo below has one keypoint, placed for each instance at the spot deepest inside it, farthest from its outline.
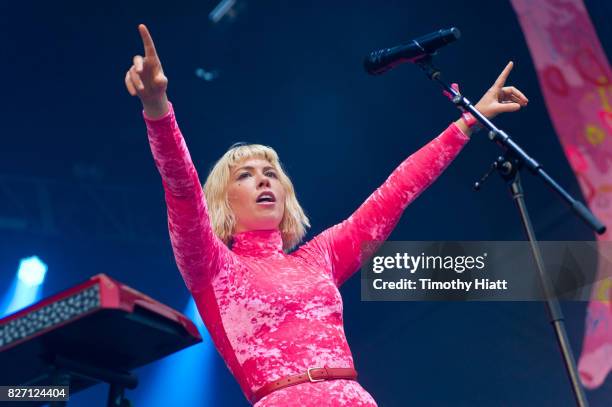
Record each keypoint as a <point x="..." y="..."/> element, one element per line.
<point x="426" y="64"/>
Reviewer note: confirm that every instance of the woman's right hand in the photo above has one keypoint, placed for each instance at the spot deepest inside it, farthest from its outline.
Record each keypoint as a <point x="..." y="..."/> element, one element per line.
<point x="146" y="78"/>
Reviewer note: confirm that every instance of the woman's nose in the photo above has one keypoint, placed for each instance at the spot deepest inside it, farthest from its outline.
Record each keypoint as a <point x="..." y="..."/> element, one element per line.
<point x="263" y="182"/>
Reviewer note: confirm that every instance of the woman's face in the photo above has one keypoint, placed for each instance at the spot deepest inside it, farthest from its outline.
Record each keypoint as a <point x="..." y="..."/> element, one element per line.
<point x="256" y="196"/>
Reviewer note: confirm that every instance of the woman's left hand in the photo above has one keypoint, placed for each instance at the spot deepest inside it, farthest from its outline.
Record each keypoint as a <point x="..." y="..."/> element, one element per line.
<point x="499" y="98"/>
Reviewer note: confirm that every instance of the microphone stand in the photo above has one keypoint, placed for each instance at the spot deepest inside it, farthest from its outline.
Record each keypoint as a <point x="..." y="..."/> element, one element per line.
<point x="509" y="166"/>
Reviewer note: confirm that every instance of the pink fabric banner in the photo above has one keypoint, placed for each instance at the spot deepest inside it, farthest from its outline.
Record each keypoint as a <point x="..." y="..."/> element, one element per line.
<point x="576" y="81"/>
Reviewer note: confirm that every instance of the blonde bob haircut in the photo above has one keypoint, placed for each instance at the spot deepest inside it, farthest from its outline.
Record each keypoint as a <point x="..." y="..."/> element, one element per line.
<point x="294" y="223"/>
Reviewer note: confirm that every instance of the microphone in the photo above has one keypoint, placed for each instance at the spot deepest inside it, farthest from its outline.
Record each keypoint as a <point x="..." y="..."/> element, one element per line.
<point x="379" y="62"/>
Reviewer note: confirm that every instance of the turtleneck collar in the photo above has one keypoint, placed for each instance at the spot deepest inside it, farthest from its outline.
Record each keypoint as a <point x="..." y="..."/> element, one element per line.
<point x="258" y="243"/>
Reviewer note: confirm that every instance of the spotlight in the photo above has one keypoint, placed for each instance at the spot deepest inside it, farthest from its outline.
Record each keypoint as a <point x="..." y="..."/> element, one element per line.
<point x="227" y="10"/>
<point x="221" y="10"/>
<point x="32" y="271"/>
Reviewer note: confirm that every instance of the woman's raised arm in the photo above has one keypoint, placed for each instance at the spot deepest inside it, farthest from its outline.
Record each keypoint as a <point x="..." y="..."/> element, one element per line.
<point x="341" y="245"/>
<point x="198" y="252"/>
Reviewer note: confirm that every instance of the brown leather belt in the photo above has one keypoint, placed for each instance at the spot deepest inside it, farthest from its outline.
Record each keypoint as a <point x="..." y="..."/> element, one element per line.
<point x="313" y="374"/>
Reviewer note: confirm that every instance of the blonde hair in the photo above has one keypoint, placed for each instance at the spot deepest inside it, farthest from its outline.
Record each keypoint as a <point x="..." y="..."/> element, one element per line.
<point x="294" y="223"/>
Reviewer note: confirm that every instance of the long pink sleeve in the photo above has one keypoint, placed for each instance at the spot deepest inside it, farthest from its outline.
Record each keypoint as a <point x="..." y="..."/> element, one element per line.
<point x="375" y="219"/>
<point x="199" y="253"/>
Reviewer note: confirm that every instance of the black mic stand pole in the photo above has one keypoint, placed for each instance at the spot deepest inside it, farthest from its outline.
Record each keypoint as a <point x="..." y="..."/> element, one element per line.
<point x="508" y="166"/>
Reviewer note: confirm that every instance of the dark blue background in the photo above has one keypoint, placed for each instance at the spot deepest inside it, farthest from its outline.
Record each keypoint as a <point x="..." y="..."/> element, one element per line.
<point x="291" y="76"/>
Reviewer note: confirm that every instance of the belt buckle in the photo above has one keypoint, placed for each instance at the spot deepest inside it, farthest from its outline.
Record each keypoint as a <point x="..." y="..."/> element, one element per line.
<point x="310" y="377"/>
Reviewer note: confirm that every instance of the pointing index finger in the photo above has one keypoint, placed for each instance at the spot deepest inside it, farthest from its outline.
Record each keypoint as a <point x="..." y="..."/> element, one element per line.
<point x="147" y="41"/>
<point x="501" y="80"/>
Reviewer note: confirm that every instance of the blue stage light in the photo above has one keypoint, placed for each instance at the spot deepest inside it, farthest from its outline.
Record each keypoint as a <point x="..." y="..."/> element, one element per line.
<point x="32" y="271"/>
<point x="26" y="288"/>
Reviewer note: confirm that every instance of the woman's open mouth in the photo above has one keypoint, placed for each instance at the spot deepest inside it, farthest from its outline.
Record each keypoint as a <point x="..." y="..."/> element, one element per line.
<point x="266" y="198"/>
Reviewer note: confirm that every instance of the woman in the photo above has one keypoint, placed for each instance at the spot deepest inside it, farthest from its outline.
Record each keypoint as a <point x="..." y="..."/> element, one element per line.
<point x="276" y="318"/>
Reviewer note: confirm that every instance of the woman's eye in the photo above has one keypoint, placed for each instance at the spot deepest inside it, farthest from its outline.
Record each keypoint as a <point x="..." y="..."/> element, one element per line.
<point x="271" y="174"/>
<point x="243" y="175"/>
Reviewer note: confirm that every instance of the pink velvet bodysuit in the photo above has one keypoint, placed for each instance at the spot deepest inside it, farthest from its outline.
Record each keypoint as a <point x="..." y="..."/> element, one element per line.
<point x="272" y="314"/>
